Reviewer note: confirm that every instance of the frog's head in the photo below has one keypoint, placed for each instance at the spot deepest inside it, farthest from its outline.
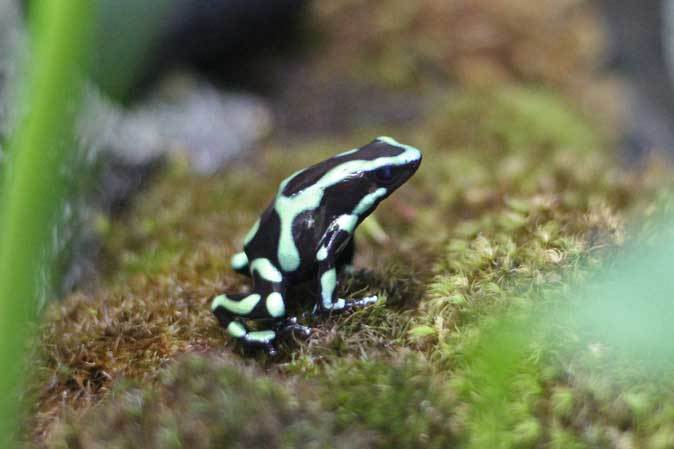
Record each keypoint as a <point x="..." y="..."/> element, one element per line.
<point x="387" y="163"/>
<point x="360" y="178"/>
<point x="363" y="177"/>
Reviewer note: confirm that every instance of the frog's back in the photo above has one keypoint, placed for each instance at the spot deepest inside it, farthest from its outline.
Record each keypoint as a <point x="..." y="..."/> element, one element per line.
<point x="263" y="238"/>
<point x="335" y="193"/>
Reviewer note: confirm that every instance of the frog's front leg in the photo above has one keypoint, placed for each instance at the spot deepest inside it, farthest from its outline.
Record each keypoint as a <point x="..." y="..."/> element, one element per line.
<point x="328" y="257"/>
<point x="328" y="300"/>
<point x="345" y="258"/>
<point x="265" y="302"/>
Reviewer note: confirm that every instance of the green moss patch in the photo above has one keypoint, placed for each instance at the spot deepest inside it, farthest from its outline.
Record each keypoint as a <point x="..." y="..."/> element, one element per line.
<point x="205" y="403"/>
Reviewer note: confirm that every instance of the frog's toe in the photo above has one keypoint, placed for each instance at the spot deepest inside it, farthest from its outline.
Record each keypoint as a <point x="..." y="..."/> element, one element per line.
<point x="292" y="327"/>
<point x="351" y="304"/>
<point x="363" y="302"/>
<point x="346" y="305"/>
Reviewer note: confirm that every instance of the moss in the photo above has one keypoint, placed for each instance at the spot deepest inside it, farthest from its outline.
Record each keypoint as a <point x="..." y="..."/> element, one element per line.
<point x="562" y="402"/>
<point x="517" y="197"/>
<point x="535" y="211"/>
<point x="401" y="401"/>
<point x="207" y="402"/>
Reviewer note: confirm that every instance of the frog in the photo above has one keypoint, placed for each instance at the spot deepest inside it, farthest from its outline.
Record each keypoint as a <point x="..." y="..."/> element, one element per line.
<point x="307" y="234"/>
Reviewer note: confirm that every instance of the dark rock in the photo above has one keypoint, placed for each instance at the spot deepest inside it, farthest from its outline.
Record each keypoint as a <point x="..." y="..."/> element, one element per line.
<point x="232" y="41"/>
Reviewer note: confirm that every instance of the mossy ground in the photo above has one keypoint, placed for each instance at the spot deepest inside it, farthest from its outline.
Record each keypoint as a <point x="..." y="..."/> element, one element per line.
<point x="519" y="196"/>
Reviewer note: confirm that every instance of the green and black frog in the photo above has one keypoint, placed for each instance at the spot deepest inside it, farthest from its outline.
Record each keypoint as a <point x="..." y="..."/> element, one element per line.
<point x="307" y="233"/>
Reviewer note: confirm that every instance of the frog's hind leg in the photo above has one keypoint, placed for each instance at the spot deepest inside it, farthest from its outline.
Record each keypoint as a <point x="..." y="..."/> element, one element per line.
<point x="328" y="301"/>
<point x="266" y="303"/>
<point x="232" y="309"/>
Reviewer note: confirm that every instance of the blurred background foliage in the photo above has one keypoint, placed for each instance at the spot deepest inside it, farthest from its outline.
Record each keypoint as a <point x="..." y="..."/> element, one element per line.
<point x="523" y="270"/>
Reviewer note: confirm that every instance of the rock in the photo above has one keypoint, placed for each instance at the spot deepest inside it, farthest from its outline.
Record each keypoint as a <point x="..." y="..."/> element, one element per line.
<point x="185" y="115"/>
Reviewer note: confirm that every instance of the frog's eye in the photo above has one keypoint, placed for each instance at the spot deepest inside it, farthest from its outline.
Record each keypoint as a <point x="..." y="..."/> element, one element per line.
<point x="384" y="174"/>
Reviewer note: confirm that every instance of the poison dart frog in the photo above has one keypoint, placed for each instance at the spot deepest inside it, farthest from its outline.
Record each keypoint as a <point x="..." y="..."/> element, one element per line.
<point x="307" y="233"/>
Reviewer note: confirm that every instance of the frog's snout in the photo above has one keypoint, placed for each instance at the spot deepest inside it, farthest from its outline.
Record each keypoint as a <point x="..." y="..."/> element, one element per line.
<point x="415" y="162"/>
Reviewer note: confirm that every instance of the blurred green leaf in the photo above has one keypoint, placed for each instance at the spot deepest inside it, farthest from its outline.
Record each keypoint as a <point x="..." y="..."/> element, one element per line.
<point x="33" y="188"/>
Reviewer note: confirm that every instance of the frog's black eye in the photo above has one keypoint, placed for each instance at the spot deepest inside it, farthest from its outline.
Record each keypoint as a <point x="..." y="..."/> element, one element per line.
<point x="384" y="174"/>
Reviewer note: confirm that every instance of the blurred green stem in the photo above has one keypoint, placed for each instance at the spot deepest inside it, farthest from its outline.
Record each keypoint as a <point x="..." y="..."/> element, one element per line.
<point x="33" y="189"/>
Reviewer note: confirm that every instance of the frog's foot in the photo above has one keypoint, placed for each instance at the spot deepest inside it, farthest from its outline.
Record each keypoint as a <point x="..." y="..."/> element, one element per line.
<point x="293" y="328"/>
<point x="345" y="305"/>
<point x="254" y="340"/>
<point x="250" y="340"/>
<point x="351" y="304"/>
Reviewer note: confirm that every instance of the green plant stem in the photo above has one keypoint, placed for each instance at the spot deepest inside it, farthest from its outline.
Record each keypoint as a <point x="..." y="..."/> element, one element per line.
<point x="33" y="189"/>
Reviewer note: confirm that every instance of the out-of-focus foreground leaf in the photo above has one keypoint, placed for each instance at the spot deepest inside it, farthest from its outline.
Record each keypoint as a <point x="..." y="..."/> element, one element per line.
<point x="618" y="326"/>
<point x="33" y="189"/>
